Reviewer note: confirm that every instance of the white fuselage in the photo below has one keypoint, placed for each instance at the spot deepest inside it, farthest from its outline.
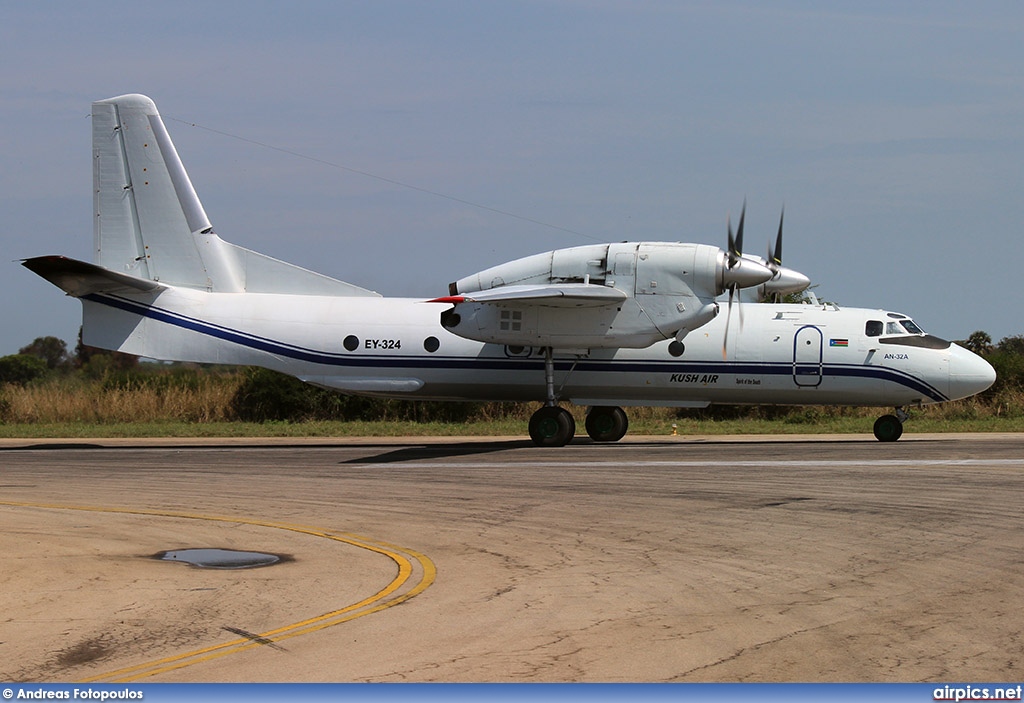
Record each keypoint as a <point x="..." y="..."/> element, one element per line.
<point x="396" y="347"/>
<point x="603" y="325"/>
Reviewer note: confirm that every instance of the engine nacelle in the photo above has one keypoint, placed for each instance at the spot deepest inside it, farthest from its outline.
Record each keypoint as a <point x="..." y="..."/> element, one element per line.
<point x="608" y="295"/>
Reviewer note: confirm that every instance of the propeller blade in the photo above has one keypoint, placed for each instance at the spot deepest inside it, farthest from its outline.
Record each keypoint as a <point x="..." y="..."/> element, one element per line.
<point x="733" y="290"/>
<point x="739" y="232"/>
<point x="735" y="244"/>
<point x="731" y="243"/>
<point x="739" y="307"/>
<point x="776" y="256"/>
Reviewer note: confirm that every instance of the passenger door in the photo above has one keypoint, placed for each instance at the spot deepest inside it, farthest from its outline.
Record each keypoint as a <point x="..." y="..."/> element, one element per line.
<point x="808" y="343"/>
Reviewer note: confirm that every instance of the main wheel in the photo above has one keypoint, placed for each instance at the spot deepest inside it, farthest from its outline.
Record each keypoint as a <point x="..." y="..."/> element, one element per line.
<point x="607" y="423"/>
<point x="552" y="427"/>
<point x="888" y="428"/>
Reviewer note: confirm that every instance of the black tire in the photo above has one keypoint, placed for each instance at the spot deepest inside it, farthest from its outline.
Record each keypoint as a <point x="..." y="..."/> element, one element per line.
<point x="607" y="423"/>
<point x="552" y="427"/>
<point x="888" y="428"/>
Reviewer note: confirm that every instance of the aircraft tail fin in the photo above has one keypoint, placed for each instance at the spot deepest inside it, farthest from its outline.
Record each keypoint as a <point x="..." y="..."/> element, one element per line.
<point x="150" y="224"/>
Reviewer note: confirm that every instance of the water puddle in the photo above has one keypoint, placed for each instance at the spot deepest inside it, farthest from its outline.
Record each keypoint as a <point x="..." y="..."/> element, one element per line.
<point x="219" y="558"/>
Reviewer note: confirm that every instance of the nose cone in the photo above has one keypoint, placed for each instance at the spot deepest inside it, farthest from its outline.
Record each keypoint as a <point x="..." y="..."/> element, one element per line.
<point x="968" y="373"/>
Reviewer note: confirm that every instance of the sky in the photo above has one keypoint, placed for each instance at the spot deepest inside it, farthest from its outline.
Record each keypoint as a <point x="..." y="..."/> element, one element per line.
<point x="401" y="145"/>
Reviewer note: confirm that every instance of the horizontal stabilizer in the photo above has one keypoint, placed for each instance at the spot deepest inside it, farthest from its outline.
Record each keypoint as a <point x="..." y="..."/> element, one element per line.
<point x="553" y="295"/>
<point x="78" y="278"/>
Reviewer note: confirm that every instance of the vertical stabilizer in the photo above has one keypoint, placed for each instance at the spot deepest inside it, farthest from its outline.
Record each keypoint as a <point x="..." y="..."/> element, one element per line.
<point x="149" y="222"/>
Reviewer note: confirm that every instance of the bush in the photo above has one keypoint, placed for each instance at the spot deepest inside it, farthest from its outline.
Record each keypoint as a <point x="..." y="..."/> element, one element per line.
<point x="20" y="369"/>
<point x="265" y="395"/>
<point x="1009" y="368"/>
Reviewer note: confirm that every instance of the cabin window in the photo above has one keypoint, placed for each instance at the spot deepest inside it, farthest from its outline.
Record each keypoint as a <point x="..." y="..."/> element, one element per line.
<point x="873" y="328"/>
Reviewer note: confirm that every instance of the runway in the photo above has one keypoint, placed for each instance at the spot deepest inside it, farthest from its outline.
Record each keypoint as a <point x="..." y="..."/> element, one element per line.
<point x="654" y="559"/>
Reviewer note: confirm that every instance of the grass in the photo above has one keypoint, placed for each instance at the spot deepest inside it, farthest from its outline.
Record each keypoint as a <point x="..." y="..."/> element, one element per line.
<point x="203" y="404"/>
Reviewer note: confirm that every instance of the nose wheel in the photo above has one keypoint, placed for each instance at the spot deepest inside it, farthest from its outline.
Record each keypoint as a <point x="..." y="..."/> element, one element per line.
<point x="889" y="428"/>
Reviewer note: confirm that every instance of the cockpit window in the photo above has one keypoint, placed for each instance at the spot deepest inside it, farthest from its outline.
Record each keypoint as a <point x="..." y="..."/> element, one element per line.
<point x="905" y="326"/>
<point x="909" y="326"/>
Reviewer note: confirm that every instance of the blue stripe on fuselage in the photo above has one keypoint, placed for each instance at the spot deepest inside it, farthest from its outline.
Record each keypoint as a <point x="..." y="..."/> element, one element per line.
<point x="609" y="365"/>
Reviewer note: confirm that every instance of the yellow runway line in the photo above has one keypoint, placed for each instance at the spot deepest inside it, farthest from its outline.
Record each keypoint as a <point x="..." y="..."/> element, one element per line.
<point x="406" y="559"/>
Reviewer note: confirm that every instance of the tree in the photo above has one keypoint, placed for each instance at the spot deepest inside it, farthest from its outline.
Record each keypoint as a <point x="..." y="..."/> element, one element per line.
<point x="979" y="342"/>
<point x="97" y="361"/>
<point x="1012" y="345"/>
<point x="53" y="351"/>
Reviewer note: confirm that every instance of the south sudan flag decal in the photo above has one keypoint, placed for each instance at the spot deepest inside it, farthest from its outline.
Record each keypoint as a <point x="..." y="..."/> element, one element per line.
<point x="839" y="342"/>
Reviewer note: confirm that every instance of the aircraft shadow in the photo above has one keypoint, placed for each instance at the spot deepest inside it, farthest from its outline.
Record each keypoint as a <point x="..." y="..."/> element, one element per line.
<point x="439" y="451"/>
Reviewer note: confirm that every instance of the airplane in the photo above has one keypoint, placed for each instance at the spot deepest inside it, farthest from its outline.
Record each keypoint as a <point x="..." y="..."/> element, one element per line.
<point x="602" y="325"/>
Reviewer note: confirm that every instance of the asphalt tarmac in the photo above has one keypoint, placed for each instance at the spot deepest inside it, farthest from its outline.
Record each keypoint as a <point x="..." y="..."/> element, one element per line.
<point x="654" y="559"/>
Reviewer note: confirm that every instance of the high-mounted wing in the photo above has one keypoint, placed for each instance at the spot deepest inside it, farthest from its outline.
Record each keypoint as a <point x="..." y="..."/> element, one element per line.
<point x="625" y="295"/>
<point x="564" y="295"/>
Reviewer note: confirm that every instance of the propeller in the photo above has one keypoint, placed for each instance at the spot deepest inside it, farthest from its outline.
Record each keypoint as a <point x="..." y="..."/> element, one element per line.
<point x="740" y="271"/>
<point x="734" y="261"/>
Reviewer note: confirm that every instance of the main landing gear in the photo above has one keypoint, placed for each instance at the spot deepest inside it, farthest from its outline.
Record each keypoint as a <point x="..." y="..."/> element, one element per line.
<point x="552" y="426"/>
<point x="889" y="428"/>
